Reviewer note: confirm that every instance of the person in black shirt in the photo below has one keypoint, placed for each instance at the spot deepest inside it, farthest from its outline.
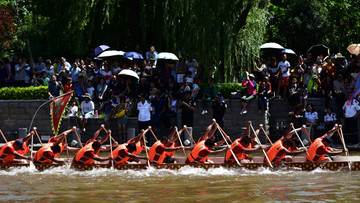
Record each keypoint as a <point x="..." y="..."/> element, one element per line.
<point x="187" y="110"/>
<point x="219" y="108"/>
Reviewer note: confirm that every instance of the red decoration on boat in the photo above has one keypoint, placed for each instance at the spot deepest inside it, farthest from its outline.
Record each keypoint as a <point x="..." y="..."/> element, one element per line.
<point x="58" y="106"/>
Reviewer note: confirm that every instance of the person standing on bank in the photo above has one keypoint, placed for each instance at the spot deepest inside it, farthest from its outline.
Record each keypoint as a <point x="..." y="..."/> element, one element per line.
<point x="219" y="108"/>
<point x="351" y="111"/>
<point x="144" y="118"/>
<point x="187" y="110"/>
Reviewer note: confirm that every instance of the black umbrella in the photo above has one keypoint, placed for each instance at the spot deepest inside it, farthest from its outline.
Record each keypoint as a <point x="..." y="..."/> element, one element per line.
<point x="318" y="49"/>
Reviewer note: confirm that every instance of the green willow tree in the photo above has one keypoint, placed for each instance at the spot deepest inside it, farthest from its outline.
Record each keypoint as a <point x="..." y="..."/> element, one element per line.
<point x="225" y="34"/>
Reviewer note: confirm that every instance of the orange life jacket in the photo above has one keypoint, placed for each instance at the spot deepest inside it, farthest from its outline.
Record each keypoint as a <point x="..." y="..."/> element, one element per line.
<point x="244" y="155"/>
<point x="25" y="151"/>
<point x="228" y="155"/>
<point x="273" y="153"/>
<point x="139" y="148"/>
<point x="6" y="158"/>
<point x="152" y="153"/>
<point x="194" y="155"/>
<point x="39" y="156"/>
<point x="80" y="157"/>
<point x="117" y="158"/>
<point x="170" y="154"/>
<point x="317" y="143"/>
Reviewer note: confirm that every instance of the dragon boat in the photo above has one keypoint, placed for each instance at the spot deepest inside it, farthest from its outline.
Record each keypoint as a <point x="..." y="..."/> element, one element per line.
<point x="299" y="163"/>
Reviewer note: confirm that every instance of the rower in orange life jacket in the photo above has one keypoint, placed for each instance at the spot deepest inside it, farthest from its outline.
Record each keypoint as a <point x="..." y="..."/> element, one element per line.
<point x="26" y="143"/>
<point x="239" y="148"/>
<point x="123" y="152"/>
<point x="139" y="142"/>
<point x="62" y="144"/>
<point x="46" y="154"/>
<point x="158" y="149"/>
<point x="322" y="146"/>
<point x="88" y="154"/>
<point x="8" y="152"/>
<point x="278" y="149"/>
<point x="173" y="144"/>
<point x="202" y="150"/>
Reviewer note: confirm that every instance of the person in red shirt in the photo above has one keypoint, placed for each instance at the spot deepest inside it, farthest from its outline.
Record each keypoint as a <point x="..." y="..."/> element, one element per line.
<point x="279" y="149"/>
<point x="202" y="150"/>
<point x="89" y="154"/>
<point x="60" y="139"/>
<point x="8" y="152"/>
<point x="69" y="86"/>
<point x="123" y="152"/>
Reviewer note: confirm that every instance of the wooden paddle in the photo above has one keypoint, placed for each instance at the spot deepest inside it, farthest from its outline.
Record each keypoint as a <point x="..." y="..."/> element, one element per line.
<point x="220" y="129"/>
<point x="341" y="135"/>
<point x="2" y="134"/>
<point x="148" y="162"/>
<point x="267" y="158"/>
<point x="307" y="153"/>
<point x="307" y="135"/>
<point x="78" y="137"/>
<point x="189" y="134"/>
<point x="152" y="132"/>
<point x="32" y="149"/>
<point x="38" y="136"/>
<point x="262" y="128"/>
<point x="177" y="132"/>
<point x="233" y="154"/>
<point x="111" y="152"/>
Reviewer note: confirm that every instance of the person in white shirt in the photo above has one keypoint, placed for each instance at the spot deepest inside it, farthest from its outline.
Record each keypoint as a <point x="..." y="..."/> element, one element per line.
<point x="73" y="112"/>
<point x="329" y="119"/>
<point x="144" y="117"/>
<point x="311" y="119"/>
<point x="87" y="110"/>
<point x="351" y="111"/>
<point x="283" y="75"/>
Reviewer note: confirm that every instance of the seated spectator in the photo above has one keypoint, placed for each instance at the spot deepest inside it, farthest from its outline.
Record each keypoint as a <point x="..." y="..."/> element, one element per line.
<point x="113" y="87"/>
<point x="87" y="111"/>
<point x="192" y="87"/>
<point x="329" y="119"/>
<point x="121" y="116"/>
<point x="262" y="96"/>
<point x="327" y="90"/>
<point x="316" y="68"/>
<point x="209" y="95"/>
<point x="63" y="70"/>
<point x="100" y="90"/>
<point x="74" y="72"/>
<point x="307" y="76"/>
<point x="73" y="112"/>
<point x="44" y="79"/>
<point x="90" y="89"/>
<point x="314" y="86"/>
<point x="79" y="88"/>
<point x="106" y="73"/>
<point x="311" y="119"/>
<point x="39" y="68"/>
<point x="251" y="92"/>
<point x="115" y="69"/>
<point x="147" y="73"/>
<point x="303" y="95"/>
<point x="294" y="96"/>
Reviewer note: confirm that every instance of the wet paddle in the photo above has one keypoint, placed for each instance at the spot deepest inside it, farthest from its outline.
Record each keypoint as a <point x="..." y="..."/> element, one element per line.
<point x="2" y="134"/>
<point x="267" y="158"/>
<point x="307" y="153"/>
<point x="152" y="132"/>
<point x="177" y="132"/>
<point x="78" y="137"/>
<point x="233" y="154"/>
<point x="148" y="162"/>
<point x="38" y="136"/>
<point x="262" y="128"/>
<point x="341" y="135"/>
<point x="32" y="149"/>
<point x="111" y="152"/>
<point x="189" y="134"/>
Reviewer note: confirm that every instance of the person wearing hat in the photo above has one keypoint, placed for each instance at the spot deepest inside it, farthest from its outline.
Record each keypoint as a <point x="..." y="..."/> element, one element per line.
<point x="250" y="83"/>
<point x="87" y="110"/>
<point x="322" y="146"/>
<point x="9" y="154"/>
<point x="193" y="88"/>
<point x="219" y="108"/>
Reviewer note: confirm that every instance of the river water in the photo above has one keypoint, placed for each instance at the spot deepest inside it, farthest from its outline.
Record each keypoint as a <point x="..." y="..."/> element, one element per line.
<point x="185" y="185"/>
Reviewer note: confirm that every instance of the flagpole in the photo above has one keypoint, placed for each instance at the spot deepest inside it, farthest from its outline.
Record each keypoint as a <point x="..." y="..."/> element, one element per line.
<point x="37" y="110"/>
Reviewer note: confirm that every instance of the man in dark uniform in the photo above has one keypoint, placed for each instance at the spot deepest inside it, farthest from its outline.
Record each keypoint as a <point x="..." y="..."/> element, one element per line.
<point x="219" y="108"/>
<point x="187" y="110"/>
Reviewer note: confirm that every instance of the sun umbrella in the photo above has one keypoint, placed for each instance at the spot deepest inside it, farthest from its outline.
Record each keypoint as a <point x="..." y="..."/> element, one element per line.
<point x="98" y="50"/>
<point x="288" y="51"/>
<point x="354" y="49"/>
<point x="270" y="46"/>
<point x="128" y="73"/>
<point x="133" y="55"/>
<point x="167" y="56"/>
<point x="318" y="49"/>
<point x="111" y="53"/>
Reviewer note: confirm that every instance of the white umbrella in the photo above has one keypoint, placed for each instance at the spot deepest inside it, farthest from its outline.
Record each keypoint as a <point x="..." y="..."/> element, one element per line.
<point x="354" y="49"/>
<point x="111" y="53"/>
<point x="129" y="73"/>
<point x="288" y="51"/>
<point x="167" y="56"/>
<point x="271" y="45"/>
